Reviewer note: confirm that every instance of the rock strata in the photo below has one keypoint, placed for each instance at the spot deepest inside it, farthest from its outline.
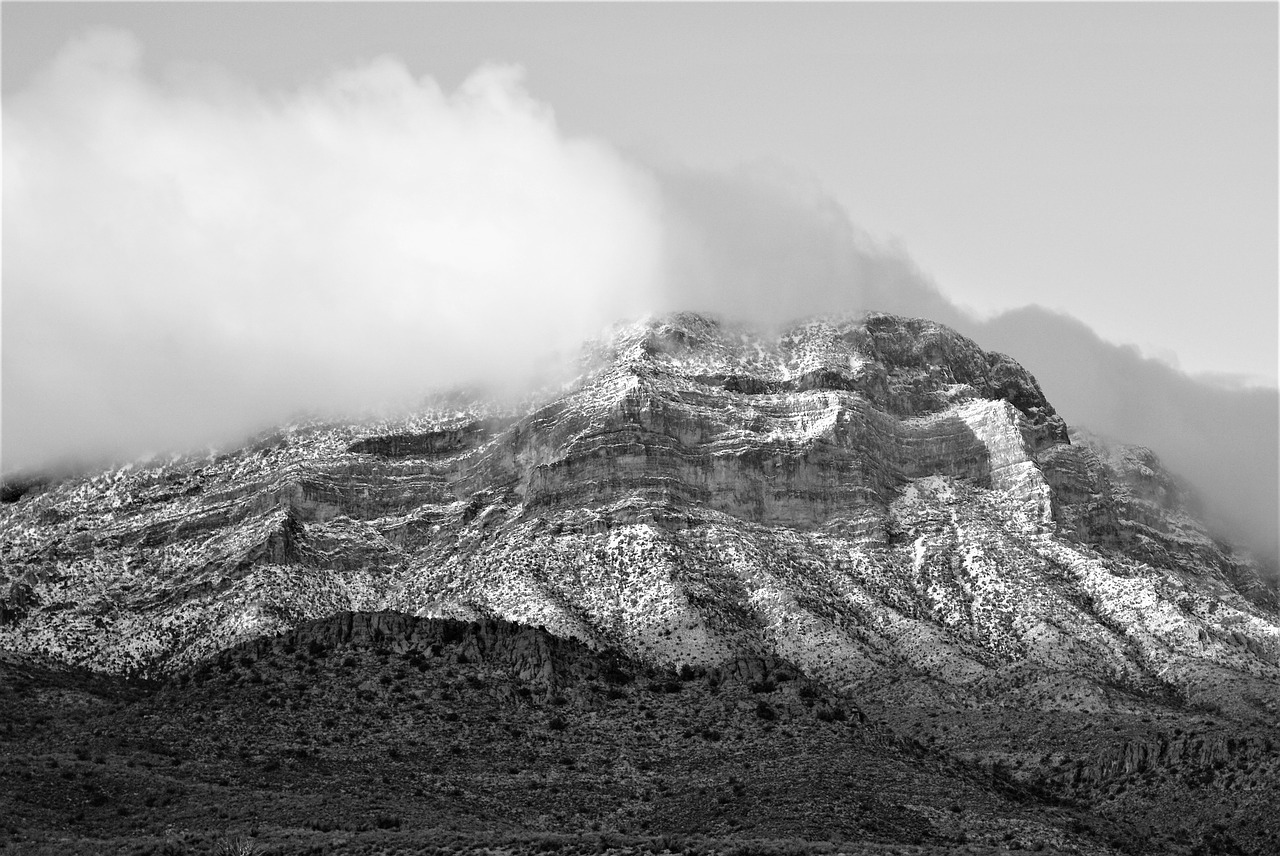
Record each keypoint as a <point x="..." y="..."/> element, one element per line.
<point x="865" y="497"/>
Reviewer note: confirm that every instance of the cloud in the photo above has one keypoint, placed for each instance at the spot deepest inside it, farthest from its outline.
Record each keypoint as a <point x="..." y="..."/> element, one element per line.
<point x="186" y="262"/>
<point x="767" y="245"/>
<point x="763" y="246"/>
<point x="1222" y="437"/>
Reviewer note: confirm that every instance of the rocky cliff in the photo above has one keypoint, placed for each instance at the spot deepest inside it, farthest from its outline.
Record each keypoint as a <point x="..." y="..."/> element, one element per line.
<point x="872" y="498"/>
<point x="876" y="502"/>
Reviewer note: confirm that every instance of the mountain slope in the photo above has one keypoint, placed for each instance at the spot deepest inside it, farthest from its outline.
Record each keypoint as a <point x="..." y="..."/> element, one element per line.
<point x="368" y="729"/>
<point x="868" y="497"/>
<point x="877" y="501"/>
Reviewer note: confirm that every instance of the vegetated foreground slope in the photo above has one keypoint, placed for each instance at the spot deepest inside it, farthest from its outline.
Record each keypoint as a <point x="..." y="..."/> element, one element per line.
<point x="369" y="731"/>
<point x="877" y="501"/>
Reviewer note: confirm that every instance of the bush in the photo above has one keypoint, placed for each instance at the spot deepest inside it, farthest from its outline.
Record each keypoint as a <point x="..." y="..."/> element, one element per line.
<point x="238" y="846"/>
<point x="765" y="711"/>
<point x="612" y="674"/>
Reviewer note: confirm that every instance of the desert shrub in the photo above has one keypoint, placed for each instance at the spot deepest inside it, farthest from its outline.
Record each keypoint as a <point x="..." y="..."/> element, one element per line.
<point x="557" y="723"/>
<point x="765" y="686"/>
<point x="238" y="846"/>
<point x="765" y="711"/>
<point x="665" y="687"/>
<point x="172" y="847"/>
<point x="613" y="674"/>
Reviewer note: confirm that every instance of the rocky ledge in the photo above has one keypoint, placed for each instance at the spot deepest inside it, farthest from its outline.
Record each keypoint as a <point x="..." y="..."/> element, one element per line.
<point x="874" y="499"/>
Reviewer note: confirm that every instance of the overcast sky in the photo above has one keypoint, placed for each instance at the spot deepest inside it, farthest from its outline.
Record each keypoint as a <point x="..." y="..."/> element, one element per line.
<point x="1114" y="161"/>
<point x="216" y="214"/>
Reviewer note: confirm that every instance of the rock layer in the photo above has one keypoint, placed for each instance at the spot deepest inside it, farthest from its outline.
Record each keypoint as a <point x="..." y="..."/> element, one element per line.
<point x="868" y="498"/>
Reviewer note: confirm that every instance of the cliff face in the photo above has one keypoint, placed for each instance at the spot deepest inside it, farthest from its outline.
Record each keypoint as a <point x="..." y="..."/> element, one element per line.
<point x="872" y="499"/>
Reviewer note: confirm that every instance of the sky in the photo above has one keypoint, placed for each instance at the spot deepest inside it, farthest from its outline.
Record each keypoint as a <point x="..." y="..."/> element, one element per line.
<point x="220" y="213"/>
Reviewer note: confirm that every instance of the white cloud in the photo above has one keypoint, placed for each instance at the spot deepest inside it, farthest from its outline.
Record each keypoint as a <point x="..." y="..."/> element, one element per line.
<point x="184" y="262"/>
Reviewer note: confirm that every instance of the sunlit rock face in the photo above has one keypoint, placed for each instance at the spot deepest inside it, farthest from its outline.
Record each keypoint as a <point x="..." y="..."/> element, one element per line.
<point x="820" y="427"/>
<point x="869" y="498"/>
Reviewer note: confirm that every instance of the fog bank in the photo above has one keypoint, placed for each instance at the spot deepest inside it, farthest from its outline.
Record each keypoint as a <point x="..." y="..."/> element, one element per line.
<point x="191" y="260"/>
<point x="760" y="246"/>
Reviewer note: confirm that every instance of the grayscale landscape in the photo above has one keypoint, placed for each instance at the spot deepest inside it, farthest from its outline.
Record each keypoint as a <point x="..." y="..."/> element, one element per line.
<point x="483" y="429"/>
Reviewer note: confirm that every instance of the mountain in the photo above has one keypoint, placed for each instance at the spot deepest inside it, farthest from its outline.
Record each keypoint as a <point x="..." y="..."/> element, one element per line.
<point x="898" y="515"/>
<point x="371" y="731"/>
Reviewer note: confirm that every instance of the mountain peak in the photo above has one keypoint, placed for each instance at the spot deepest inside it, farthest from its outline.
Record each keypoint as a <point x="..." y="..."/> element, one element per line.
<point x="688" y="444"/>
<point x="907" y="366"/>
<point x="897" y="513"/>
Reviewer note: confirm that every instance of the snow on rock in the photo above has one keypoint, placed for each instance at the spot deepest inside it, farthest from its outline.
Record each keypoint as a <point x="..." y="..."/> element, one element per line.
<point x="867" y="497"/>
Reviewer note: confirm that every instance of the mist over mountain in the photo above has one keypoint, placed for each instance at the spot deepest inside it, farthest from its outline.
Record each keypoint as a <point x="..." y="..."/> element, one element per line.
<point x="189" y="260"/>
<point x="769" y="247"/>
<point x="858" y="555"/>
<point x="1222" y="438"/>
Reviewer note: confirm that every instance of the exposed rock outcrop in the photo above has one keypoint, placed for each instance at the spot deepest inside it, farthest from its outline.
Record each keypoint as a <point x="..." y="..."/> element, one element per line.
<point x="866" y="498"/>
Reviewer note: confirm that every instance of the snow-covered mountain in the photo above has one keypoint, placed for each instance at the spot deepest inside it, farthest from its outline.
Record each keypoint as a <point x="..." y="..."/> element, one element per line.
<point x="875" y="498"/>
<point x="898" y="515"/>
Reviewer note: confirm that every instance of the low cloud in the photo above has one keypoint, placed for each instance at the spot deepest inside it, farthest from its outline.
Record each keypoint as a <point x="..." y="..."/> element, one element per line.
<point x="765" y="247"/>
<point x="1222" y="437"/>
<point x="769" y="246"/>
<point x="186" y="262"/>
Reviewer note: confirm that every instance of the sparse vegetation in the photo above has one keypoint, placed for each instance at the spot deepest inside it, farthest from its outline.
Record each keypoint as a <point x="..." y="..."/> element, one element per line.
<point x="1006" y="670"/>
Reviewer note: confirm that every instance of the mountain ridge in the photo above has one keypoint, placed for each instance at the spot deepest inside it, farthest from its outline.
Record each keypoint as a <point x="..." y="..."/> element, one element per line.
<point x="671" y="426"/>
<point x="876" y="501"/>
